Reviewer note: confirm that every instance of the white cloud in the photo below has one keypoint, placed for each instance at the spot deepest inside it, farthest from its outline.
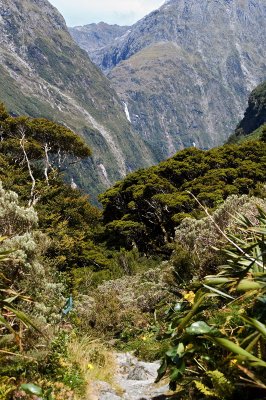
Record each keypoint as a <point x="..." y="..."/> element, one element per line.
<point x="122" y="12"/>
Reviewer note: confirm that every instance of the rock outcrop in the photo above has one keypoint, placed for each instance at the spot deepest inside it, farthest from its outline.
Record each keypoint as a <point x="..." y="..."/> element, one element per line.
<point x="135" y="379"/>
<point x="255" y="115"/>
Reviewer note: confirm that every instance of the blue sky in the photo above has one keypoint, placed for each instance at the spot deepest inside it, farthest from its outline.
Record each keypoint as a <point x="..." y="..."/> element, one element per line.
<point x="121" y="12"/>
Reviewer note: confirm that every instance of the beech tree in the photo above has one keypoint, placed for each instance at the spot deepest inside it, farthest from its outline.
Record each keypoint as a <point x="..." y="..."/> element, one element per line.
<point x="154" y="201"/>
<point x="39" y="144"/>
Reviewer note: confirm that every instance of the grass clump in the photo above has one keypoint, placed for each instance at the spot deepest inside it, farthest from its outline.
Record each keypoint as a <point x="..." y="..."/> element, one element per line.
<point x="95" y="360"/>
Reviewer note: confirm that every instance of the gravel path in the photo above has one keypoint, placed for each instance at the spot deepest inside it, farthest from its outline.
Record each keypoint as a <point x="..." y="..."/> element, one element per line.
<point x="136" y="380"/>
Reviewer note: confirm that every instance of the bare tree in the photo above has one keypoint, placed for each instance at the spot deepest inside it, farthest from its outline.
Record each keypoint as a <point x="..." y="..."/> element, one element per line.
<point x="23" y="141"/>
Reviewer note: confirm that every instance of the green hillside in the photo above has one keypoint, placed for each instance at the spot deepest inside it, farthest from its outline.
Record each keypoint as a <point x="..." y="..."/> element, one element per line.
<point x="146" y="207"/>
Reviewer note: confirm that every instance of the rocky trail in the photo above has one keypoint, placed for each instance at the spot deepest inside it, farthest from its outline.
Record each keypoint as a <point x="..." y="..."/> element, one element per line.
<point x="134" y="381"/>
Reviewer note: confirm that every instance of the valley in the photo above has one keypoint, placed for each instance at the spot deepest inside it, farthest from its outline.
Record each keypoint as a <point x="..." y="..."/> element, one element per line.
<point x="45" y="74"/>
<point x="184" y="77"/>
<point x="133" y="204"/>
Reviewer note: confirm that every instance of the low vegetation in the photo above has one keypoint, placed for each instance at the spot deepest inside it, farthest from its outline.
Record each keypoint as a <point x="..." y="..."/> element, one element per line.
<point x="217" y="326"/>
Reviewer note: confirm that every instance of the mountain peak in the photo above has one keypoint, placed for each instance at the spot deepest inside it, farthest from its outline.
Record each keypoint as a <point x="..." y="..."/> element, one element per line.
<point x="186" y="69"/>
<point x="94" y="36"/>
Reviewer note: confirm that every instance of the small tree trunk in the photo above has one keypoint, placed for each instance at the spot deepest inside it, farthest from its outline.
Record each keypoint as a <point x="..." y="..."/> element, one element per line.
<point x="47" y="163"/>
<point x="32" y="193"/>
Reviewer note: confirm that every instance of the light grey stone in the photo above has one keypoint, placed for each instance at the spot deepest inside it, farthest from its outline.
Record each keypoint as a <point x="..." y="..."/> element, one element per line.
<point x="139" y="373"/>
<point x="109" y="396"/>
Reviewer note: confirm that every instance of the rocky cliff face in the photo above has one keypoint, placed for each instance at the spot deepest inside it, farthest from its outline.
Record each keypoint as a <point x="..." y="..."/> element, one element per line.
<point x="44" y="73"/>
<point x="185" y="71"/>
<point x="255" y="115"/>
<point x="93" y="37"/>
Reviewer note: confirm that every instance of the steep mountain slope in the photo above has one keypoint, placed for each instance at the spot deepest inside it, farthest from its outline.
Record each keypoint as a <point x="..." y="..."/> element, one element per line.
<point x="255" y="115"/>
<point x="44" y="73"/>
<point x="92" y="37"/>
<point x="186" y="69"/>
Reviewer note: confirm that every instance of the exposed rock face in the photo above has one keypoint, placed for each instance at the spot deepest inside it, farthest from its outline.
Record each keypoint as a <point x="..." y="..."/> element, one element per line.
<point x="185" y="70"/>
<point x="255" y="115"/>
<point x="92" y="37"/>
<point x="44" y="73"/>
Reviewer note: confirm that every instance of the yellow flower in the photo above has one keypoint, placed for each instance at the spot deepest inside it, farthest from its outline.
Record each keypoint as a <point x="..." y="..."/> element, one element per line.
<point x="190" y="296"/>
<point x="90" y="366"/>
<point x="233" y="362"/>
<point x="144" y="338"/>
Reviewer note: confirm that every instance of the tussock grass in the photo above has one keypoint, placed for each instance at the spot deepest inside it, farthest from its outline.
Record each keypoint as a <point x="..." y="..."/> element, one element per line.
<point x="94" y="359"/>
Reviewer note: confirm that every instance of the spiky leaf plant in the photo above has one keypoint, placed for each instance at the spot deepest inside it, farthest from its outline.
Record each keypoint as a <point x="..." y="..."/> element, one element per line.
<point x="219" y="333"/>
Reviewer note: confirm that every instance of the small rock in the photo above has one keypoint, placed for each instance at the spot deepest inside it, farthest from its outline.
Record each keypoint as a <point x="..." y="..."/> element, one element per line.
<point x="104" y="387"/>
<point x="105" y="391"/>
<point x="109" y="396"/>
<point x="160" y="391"/>
<point x="139" y="373"/>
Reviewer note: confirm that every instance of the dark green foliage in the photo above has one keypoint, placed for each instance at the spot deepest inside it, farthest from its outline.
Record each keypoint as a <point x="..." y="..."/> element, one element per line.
<point x="39" y="133"/>
<point x="255" y="115"/>
<point x="72" y="222"/>
<point x="263" y="137"/>
<point x="65" y="214"/>
<point x="145" y="207"/>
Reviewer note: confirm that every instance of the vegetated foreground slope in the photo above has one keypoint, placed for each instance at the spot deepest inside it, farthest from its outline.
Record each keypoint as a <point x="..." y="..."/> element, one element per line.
<point x="60" y="254"/>
<point x="145" y="311"/>
<point x="45" y="228"/>
<point x="45" y="74"/>
<point x="186" y="69"/>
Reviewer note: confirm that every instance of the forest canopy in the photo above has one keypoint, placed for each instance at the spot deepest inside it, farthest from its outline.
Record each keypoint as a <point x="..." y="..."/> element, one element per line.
<point x="144" y="209"/>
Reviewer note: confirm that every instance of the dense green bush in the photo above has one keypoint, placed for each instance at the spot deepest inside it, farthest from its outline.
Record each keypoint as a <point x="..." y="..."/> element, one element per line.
<point x="50" y="230"/>
<point x="31" y="296"/>
<point x="33" y="152"/>
<point x="196" y="238"/>
<point x="217" y="326"/>
<point x="144" y="209"/>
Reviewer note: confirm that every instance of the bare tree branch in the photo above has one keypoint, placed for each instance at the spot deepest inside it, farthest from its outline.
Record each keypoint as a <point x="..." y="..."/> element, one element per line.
<point x="22" y="145"/>
<point x="47" y="164"/>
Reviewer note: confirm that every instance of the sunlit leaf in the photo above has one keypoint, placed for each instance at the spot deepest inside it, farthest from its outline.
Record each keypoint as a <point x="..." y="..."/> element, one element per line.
<point x="199" y="328"/>
<point x="216" y="280"/>
<point x="246" y="285"/>
<point x="30" y="388"/>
